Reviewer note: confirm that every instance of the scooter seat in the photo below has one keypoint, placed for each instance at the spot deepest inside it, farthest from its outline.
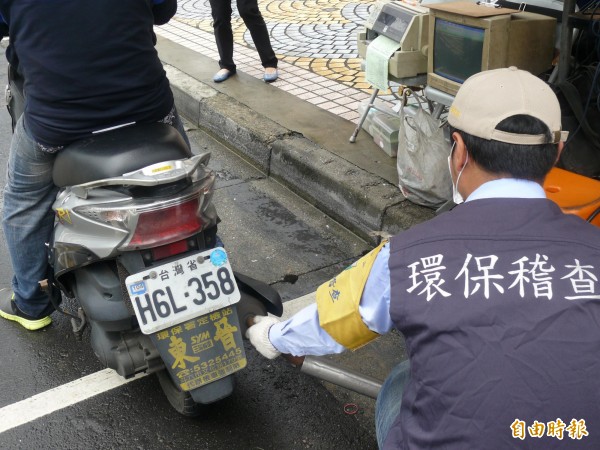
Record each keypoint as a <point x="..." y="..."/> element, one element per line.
<point x="114" y="153"/>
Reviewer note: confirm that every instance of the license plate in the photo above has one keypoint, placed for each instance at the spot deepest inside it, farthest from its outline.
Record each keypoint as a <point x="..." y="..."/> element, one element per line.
<point x="181" y="290"/>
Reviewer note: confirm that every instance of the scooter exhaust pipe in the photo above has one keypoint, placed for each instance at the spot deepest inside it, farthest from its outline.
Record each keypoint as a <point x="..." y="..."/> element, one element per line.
<point x="326" y="370"/>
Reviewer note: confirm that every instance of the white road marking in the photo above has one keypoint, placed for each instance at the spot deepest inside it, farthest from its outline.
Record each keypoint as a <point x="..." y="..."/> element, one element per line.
<point x="60" y="397"/>
<point x="76" y="391"/>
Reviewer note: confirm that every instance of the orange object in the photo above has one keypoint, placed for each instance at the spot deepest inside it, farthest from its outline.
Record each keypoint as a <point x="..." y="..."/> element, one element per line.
<point x="575" y="194"/>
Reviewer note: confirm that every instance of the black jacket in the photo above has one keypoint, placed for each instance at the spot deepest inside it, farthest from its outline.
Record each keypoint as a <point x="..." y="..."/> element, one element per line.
<point x="88" y="65"/>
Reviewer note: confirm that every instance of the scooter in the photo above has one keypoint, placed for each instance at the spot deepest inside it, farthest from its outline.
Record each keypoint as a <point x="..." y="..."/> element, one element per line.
<point x="135" y="246"/>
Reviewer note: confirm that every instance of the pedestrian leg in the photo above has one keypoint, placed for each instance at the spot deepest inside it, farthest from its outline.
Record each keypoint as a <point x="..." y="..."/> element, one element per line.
<point x="221" y="14"/>
<point x="253" y="19"/>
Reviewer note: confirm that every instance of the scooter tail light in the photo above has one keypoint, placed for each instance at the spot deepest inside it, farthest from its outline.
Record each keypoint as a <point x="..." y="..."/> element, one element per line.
<point x="163" y="226"/>
<point x="165" y="251"/>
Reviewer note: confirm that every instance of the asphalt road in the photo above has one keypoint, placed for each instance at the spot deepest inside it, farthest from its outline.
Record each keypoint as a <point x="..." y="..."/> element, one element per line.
<point x="270" y="234"/>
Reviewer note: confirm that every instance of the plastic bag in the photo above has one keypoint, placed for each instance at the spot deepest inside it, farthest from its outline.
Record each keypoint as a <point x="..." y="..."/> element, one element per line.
<point x="422" y="160"/>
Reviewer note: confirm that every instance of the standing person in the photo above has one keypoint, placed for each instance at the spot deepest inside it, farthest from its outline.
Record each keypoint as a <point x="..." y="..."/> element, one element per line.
<point x="248" y="9"/>
<point x="498" y="299"/>
<point x="93" y="66"/>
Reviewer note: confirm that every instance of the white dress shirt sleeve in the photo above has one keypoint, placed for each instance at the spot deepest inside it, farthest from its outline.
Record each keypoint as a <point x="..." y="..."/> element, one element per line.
<point x="302" y="335"/>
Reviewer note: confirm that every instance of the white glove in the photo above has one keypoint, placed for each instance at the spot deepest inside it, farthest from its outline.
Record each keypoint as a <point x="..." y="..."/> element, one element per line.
<point x="259" y="336"/>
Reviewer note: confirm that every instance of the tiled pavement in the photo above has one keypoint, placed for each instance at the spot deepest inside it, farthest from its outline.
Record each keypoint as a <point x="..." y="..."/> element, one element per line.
<point x="315" y="41"/>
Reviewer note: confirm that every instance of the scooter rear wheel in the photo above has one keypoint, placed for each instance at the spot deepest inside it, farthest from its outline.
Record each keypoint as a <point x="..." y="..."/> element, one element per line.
<point x="182" y="401"/>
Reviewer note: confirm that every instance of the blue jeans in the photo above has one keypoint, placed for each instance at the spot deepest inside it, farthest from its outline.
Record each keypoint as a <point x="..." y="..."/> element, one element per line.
<point x="389" y="400"/>
<point x="28" y="219"/>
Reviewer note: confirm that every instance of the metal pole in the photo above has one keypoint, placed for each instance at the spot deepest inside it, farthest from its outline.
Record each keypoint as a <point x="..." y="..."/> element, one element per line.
<point x="341" y="376"/>
<point x="566" y="37"/>
<point x="364" y="116"/>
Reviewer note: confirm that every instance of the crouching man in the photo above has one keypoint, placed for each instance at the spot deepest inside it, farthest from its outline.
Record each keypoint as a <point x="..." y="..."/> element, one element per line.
<point x="498" y="299"/>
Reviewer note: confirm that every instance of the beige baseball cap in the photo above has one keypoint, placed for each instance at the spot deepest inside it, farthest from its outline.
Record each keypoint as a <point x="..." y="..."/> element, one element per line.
<point x="487" y="98"/>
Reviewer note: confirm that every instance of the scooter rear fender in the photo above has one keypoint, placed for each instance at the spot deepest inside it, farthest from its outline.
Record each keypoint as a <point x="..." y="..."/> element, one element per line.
<point x="268" y="296"/>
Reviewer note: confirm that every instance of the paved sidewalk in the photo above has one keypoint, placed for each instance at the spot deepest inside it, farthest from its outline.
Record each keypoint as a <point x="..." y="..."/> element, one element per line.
<point x="295" y="129"/>
<point x="302" y="146"/>
<point x="315" y="41"/>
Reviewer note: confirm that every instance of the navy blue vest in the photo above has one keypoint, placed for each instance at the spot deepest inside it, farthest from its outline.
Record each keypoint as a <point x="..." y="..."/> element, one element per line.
<point x="87" y="64"/>
<point x="499" y="302"/>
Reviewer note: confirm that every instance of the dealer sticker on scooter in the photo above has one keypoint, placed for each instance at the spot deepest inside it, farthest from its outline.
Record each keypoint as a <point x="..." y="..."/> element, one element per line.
<point x="202" y="350"/>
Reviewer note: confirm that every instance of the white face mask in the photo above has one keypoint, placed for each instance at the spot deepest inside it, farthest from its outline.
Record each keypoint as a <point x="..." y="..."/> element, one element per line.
<point x="456" y="196"/>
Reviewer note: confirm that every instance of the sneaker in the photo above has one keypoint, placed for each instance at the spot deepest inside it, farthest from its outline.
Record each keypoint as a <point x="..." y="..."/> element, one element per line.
<point x="10" y="311"/>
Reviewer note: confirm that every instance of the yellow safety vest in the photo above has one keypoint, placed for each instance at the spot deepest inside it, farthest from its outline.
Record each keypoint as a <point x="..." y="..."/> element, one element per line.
<point x="338" y="301"/>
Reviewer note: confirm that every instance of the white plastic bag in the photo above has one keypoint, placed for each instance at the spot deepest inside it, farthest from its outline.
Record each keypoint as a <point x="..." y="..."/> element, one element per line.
<point x="422" y="160"/>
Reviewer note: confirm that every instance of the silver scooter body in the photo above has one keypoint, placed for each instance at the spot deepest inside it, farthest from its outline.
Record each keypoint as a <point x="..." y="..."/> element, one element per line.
<point x="135" y="201"/>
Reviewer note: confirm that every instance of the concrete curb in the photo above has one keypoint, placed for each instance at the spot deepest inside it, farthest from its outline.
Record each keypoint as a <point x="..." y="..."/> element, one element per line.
<point x="361" y="201"/>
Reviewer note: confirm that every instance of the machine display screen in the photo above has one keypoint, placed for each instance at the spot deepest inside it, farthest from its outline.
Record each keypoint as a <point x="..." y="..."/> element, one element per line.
<point x="393" y="23"/>
<point x="457" y="50"/>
